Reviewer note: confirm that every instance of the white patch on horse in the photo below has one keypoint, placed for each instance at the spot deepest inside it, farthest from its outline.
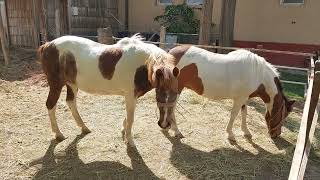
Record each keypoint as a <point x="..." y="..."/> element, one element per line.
<point x="164" y="122"/>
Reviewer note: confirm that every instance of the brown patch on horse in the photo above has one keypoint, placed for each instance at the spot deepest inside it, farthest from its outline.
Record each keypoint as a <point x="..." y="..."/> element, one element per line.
<point x="108" y="61"/>
<point x="70" y="94"/>
<point x="189" y="78"/>
<point x="49" y="58"/>
<point x="68" y="64"/>
<point x="261" y="92"/>
<point x="178" y="52"/>
<point x="59" y="70"/>
<point x="141" y="81"/>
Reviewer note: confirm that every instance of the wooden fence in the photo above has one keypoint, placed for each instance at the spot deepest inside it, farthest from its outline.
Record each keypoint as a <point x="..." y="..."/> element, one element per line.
<point x="308" y="124"/>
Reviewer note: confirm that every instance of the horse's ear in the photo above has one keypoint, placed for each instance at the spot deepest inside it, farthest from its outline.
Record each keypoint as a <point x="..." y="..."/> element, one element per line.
<point x="175" y="71"/>
<point x="289" y="105"/>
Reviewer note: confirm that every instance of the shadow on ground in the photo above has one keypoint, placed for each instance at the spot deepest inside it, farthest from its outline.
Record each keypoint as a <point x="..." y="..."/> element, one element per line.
<point x="23" y="65"/>
<point x="226" y="163"/>
<point x="71" y="166"/>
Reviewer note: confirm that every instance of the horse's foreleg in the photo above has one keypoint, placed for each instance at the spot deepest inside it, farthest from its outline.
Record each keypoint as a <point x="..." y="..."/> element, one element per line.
<point x="244" y="126"/>
<point x="52" y="100"/>
<point x="130" y="107"/>
<point x="72" y="92"/>
<point x="234" y="112"/>
<point x="174" y="127"/>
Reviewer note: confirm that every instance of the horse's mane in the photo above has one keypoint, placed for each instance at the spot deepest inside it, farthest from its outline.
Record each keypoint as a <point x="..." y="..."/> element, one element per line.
<point x="135" y="39"/>
<point x="156" y="55"/>
<point x="260" y="61"/>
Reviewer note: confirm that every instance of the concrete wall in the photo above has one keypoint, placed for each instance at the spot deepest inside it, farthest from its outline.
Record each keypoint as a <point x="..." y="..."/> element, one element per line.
<point x="142" y="13"/>
<point x="269" y="21"/>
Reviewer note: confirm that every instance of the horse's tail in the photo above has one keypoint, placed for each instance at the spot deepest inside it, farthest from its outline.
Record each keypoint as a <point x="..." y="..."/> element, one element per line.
<point x="40" y="51"/>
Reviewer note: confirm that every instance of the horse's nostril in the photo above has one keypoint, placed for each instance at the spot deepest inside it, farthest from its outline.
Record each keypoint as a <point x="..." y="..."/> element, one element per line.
<point x="168" y="125"/>
<point x="159" y="124"/>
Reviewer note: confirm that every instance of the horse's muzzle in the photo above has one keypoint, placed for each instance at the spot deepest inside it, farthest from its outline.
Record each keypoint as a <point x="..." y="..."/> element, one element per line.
<point x="275" y="134"/>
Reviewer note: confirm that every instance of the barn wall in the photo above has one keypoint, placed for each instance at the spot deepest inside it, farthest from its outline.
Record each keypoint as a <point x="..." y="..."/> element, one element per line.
<point x="88" y="15"/>
<point x="20" y="22"/>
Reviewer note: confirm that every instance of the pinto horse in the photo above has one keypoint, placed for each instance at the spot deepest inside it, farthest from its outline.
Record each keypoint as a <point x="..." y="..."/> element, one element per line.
<point x="239" y="75"/>
<point x="129" y="68"/>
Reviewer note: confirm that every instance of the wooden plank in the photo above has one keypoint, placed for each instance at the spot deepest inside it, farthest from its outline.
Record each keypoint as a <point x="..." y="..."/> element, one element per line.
<point x="205" y="22"/>
<point x="4" y="44"/>
<point x="301" y="151"/>
<point x="69" y="16"/>
<point x="296" y="161"/>
<point x="43" y="18"/>
<point x="4" y="15"/>
<point x="308" y="145"/>
<point x="57" y="18"/>
<point x="227" y="22"/>
<point x="36" y="23"/>
<point x="162" y="36"/>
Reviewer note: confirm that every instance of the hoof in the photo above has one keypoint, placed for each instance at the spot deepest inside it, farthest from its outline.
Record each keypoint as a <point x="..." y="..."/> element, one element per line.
<point x="231" y="139"/>
<point x="130" y="142"/>
<point x="179" y="135"/>
<point x="248" y="136"/>
<point x="60" y="137"/>
<point x="123" y="133"/>
<point x="85" y="131"/>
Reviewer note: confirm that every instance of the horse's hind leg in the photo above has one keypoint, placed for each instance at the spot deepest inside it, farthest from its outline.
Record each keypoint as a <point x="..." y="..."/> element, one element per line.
<point x="51" y="103"/>
<point x="237" y="103"/>
<point x="72" y="92"/>
<point x="244" y="126"/>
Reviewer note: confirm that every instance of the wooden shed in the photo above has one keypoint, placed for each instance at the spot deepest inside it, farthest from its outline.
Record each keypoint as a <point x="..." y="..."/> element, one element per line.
<point x="29" y="23"/>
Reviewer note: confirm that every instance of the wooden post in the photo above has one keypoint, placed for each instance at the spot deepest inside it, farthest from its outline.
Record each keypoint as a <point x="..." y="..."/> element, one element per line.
<point x="105" y="35"/>
<point x="205" y="22"/>
<point x="162" y="36"/>
<point x="3" y="37"/>
<point x="57" y="17"/>
<point x="61" y="17"/>
<point x="227" y="22"/>
<point x="69" y="17"/>
<point x="36" y="23"/>
<point x="43" y="21"/>
<point x="307" y="127"/>
<point x="3" y="10"/>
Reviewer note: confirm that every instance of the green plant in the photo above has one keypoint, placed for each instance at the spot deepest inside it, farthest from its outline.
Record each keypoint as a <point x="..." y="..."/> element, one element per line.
<point x="179" y="19"/>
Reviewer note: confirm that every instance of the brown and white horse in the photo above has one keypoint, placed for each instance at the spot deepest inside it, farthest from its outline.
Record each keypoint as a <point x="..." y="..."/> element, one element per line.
<point x="129" y="68"/>
<point x="239" y="75"/>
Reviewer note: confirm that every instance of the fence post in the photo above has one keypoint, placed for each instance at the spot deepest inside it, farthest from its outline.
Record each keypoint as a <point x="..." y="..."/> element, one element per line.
<point x="205" y="22"/>
<point x="3" y="37"/>
<point x="36" y="23"/>
<point x="105" y="35"/>
<point x="69" y="17"/>
<point x="162" y="37"/>
<point x="307" y="127"/>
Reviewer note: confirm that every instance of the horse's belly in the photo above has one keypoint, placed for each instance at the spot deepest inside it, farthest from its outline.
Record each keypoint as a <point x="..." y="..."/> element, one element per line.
<point x="99" y="86"/>
<point x="223" y="90"/>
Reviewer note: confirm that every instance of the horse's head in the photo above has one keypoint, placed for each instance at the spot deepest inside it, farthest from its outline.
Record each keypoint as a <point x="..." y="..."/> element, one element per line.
<point x="164" y="78"/>
<point x="277" y="110"/>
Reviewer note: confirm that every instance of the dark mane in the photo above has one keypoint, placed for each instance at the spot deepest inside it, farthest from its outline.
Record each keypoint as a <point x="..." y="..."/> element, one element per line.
<point x="280" y="88"/>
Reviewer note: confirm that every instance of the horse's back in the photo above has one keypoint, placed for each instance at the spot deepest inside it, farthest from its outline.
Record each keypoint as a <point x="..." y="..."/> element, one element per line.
<point x="225" y="75"/>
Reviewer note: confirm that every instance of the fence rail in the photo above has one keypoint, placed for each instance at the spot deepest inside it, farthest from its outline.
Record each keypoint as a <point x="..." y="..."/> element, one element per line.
<point x="307" y="126"/>
<point x="232" y="48"/>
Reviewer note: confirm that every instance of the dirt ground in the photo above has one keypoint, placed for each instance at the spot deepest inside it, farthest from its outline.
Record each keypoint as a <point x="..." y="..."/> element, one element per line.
<point x="28" y="151"/>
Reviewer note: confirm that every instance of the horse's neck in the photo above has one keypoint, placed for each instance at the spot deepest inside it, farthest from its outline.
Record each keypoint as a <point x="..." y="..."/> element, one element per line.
<point x="269" y="82"/>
